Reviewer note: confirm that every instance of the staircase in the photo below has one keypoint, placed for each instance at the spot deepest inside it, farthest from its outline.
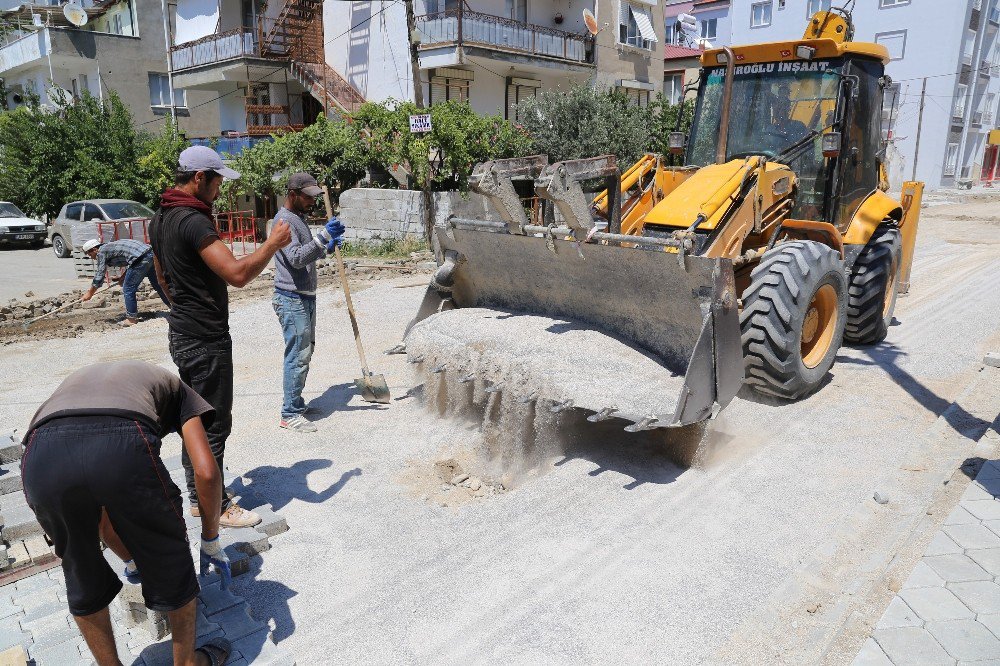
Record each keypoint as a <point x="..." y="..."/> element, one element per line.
<point x="297" y="35"/>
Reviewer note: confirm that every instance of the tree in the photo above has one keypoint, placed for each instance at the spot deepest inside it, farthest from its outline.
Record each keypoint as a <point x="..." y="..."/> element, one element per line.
<point x="158" y="163"/>
<point x="584" y="122"/>
<point x="664" y="119"/>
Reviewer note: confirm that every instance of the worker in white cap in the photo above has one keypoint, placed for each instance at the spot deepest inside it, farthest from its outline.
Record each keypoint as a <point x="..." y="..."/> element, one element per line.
<point x="136" y="258"/>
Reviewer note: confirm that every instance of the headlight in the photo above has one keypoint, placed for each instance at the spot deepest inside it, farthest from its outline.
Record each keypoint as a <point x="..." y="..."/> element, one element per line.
<point x="39" y="227"/>
<point x="4" y="230"/>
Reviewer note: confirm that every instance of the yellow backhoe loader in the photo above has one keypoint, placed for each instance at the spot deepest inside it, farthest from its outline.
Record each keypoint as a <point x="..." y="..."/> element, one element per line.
<point x="751" y="264"/>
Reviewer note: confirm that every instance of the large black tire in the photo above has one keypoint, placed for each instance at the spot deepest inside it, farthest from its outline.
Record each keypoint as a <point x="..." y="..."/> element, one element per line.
<point x="871" y="292"/>
<point x="60" y="247"/>
<point x="793" y="319"/>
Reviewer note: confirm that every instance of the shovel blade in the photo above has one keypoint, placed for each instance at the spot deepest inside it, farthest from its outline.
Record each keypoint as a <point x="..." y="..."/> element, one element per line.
<point x="373" y="388"/>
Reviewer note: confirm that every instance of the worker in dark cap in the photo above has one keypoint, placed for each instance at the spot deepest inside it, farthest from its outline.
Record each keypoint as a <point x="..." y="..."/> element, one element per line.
<point x="295" y="292"/>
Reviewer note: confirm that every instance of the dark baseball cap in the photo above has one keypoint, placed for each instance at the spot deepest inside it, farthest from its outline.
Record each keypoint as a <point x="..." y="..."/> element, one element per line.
<point x="304" y="183"/>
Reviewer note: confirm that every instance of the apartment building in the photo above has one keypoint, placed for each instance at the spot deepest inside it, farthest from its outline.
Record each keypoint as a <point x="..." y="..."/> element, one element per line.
<point x="953" y="45"/>
<point x="121" y="47"/>
<point x="495" y="53"/>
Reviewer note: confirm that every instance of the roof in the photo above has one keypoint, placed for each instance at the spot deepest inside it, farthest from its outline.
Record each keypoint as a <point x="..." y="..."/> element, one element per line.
<point x="52" y="15"/>
<point x="674" y="52"/>
<point x="778" y="51"/>
<point x="101" y="201"/>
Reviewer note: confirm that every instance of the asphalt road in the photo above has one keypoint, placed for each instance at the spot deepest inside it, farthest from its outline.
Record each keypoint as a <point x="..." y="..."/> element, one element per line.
<point x="39" y="271"/>
<point x="609" y="552"/>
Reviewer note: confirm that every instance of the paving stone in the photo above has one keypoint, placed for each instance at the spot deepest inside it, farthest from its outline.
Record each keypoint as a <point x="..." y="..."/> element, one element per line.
<point x="923" y="576"/>
<point x="973" y="536"/>
<point x="871" y="655"/>
<point x="11" y="634"/>
<point x="942" y="544"/>
<point x="982" y="509"/>
<point x="34" y="584"/>
<point x="20" y="523"/>
<point x="956" y="568"/>
<point x="981" y="596"/>
<point x="959" y="516"/>
<point x="935" y="604"/>
<point x="911" y="645"/>
<point x="273" y="524"/>
<point x="18" y="556"/>
<point x="10" y="478"/>
<point x="246" y="540"/>
<point x="214" y="599"/>
<point x="10" y="449"/>
<point x="258" y="649"/>
<point x="12" y="499"/>
<point x="898" y="614"/>
<point x="5" y="559"/>
<point x="51" y="629"/>
<point x="8" y="607"/>
<point x="988" y="559"/>
<point x="236" y="622"/>
<point x="39" y="550"/>
<point x="67" y="652"/>
<point x="988" y="472"/>
<point x="15" y="656"/>
<point x="966" y="639"/>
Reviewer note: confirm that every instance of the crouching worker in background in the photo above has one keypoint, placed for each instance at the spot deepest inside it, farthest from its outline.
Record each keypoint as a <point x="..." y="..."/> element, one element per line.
<point x="137" y="259"/>
<point x="88" y="450"/>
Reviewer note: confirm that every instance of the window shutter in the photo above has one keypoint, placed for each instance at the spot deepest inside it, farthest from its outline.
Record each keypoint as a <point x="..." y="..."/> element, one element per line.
<point x="511" y="102"/>
<point x="439" y="92"/>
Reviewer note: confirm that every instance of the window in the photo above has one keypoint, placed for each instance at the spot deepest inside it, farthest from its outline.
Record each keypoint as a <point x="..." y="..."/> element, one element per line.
<point x="444" y="5"/>
<point x="450" y="85"/>
<point x="519" y="90"/>
<point x="73" y="212"/>
<point x="92" y="213"/>
<point x="814" y="6"/>
<point x="636" y="96"/>
<point x="673" y="34"/>
<point x="951" y="159"/>
<point x="709" y="28"/>
<point x="760" y="14"/>
<point x="990" y="108"/>
<point x="517" y="10"/>
<point x="959" y="110"/>
<point x="159" y="91"/>
<point x="894" y="41"/>
<point x="635" y="26"/>
<point x="124" y="210"/>
<point x="884" y="4"/>
<point x="673" y="87"/>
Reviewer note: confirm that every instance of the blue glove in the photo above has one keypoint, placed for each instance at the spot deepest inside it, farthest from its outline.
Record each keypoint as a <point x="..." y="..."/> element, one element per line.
<point x="335" y="230"/>
<point x="213" y="554"/>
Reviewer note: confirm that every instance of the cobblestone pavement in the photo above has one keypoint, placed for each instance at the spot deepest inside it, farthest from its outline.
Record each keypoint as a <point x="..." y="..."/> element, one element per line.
<point x="34" y="614"/>
<point x="948" y="611"/>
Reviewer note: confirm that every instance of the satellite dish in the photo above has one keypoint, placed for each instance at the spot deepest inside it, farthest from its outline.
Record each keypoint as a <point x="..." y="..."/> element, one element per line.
<point x="74" y="14"/>
<point x="591" y="22"/>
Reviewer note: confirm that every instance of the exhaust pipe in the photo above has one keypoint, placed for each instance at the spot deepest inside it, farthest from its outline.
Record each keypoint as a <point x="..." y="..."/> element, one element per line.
<point x="727" y="99"/>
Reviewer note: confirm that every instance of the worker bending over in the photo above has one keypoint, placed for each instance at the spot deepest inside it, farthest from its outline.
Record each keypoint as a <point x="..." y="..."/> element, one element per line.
<point x="295" y="293"/>
<point x="87" y="449"/>
<point x="198" y="268"/>
<point x="137" y="259"/>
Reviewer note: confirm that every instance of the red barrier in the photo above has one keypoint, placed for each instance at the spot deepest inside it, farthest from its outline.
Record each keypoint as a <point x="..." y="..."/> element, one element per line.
<point x="241" y="230"/>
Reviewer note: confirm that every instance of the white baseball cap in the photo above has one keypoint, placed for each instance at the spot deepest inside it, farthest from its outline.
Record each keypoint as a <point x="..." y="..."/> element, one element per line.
<point x="203" y="158"/>
<point x="90" y="245"/>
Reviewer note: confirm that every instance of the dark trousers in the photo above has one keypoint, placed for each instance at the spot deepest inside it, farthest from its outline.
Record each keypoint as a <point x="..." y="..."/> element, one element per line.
<point x="207" y="367"/>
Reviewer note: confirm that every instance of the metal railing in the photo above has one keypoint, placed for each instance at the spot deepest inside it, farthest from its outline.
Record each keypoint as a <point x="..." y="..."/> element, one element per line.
<point x="230" y="145"/>
<point x="238" y="43"/>
<point x="462" y="26"/>
<point x="29" y="47"/>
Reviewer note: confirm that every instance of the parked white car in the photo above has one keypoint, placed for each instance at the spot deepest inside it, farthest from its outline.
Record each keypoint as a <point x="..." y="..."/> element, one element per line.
<point x="18" y="228"/>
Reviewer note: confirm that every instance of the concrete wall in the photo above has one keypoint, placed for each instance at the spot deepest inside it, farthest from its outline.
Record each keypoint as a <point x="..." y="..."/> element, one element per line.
<point x="370" y="213"/>
<point x="723" y="14"/>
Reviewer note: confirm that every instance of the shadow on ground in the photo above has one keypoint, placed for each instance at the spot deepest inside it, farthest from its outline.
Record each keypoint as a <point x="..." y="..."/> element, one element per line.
<point x="337" y="398"/>
<point x="270" y="602"/>
<point x="281" y="485"/>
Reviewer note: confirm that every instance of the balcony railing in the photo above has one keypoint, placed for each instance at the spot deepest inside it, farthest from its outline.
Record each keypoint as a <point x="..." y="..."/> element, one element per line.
<point x="232" y="146"/>
<point x="238" y="43"/>
<point x="464" y="27"/>
<point x="29" y="48"/>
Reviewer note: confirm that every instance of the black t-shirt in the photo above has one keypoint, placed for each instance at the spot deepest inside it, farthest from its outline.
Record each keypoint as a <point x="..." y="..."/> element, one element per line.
<point x="200" y="297"/>
<point x="126" y="389"/>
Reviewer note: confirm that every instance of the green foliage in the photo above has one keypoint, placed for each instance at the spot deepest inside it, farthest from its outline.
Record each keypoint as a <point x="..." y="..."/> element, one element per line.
<point x="664" y="119"/>
<point x="388" y="248"/>
<point x="158" y="164"/>
<point x="586" y="123"/>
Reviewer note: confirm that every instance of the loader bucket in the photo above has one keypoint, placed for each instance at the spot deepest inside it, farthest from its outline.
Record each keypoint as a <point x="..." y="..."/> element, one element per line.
<point x="644" y="335"/>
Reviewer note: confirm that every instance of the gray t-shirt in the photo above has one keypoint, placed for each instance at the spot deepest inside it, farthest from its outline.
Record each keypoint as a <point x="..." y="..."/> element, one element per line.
<point x="295" y="264"/>
<point x="129" y="389"/>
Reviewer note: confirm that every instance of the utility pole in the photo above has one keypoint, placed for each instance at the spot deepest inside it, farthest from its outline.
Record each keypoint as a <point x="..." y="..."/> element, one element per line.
<point x="920" y="124"/>
<point x="170" y="62"/>
<point x="418" y="99"/>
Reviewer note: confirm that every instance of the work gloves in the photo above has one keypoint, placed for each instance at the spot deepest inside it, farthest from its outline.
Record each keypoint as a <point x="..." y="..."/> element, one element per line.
<point x="213" y="554"/>
<point x="331" y="235"/>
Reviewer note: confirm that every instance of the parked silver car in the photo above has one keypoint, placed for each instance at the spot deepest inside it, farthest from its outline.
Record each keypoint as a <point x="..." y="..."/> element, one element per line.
<point x="88" y="219"/>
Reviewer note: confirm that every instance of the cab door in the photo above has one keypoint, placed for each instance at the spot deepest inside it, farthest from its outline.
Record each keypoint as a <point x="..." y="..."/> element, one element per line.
<point x="858" y="174"/>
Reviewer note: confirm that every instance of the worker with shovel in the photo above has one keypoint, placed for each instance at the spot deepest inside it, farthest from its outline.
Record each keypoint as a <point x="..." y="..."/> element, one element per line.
<point x="136" y="258"/>
<point x="295" y="293"/>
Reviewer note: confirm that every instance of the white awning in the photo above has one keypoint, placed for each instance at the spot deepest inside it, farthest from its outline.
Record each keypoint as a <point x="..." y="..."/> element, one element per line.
<point x="645" y="24"/>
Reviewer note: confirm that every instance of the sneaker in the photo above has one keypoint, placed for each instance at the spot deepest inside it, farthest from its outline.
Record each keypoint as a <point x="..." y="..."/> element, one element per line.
<point x="237" y="516"/>
<point x="298" y="423"/>
<point x="128" y="322"/>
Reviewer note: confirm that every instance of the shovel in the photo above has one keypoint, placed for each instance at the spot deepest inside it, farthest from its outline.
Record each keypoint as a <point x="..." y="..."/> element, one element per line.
<point x="27" y="324"/>
<point x="373" y="387"/>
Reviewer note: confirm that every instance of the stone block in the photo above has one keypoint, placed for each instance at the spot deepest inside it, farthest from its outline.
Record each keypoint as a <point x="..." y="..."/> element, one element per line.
<point x="35" y="583"/>
<point x="17" y="556"/>
<point x="992" y="359"/>
<point x="15" y="656"/>
<point x="40" y="604"/>
<point x="935" y="604"/>
<point x="973" y="536"/>
<point x="956" y="568"/>
<point x="911" y="645"/>
<point x="39" y="550"/>
<point x="975" y="492"/>
<point x="20" y="523"/>
<point x="4" y="557"/>
<point x="988" y="559"/>
<point x="12" y="635"/>
<point x="966" y="640"/>
<point x="12" y="499"/>
<point x="236" y="622"/>
<point x="898" y="614"/>
<point x="10" y="449"/>
<point x="215" y="600"/>
<point x="942" y="544"/>
<point x="271" y="523"/>
<point x="7" y="606"/>
<point x="981" y="509"/>
<point x="923" y="576"/>
<point x="871" y="655"/>
<point x="980" y="596"/>
<point x="246" y="540"/>
<point x="10" y="478"/>
<point x="260" y="650"/>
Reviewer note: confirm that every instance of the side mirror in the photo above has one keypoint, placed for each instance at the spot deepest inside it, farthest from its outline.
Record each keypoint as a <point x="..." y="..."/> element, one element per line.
<point x="677" y="142"/>
<point x="831" y="144"/>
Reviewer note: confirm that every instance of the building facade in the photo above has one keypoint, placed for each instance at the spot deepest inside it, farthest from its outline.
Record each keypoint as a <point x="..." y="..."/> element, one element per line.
<point x="121" y="47"/>
<point x="952" y="46"/>
<point x="495" y="53"/>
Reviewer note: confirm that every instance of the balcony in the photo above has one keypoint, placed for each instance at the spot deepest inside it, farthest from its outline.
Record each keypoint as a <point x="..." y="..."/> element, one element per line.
<point x="230" y="146"/>
<point x="502" y="38"/>
<point x="214" y="49"/>
<point x="25" y="50"/>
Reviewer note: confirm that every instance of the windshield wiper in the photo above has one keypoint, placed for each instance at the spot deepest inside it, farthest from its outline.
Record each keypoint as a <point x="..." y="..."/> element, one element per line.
<point x="804" y="141"/>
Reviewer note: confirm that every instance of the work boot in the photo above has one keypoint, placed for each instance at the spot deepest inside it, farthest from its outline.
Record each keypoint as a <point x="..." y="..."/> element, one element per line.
<point x="298" y="423"/>
<point x="237" y="516"/>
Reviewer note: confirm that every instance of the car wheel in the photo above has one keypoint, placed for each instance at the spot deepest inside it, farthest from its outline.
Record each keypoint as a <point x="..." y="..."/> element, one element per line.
<point x="59" y="247"/>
